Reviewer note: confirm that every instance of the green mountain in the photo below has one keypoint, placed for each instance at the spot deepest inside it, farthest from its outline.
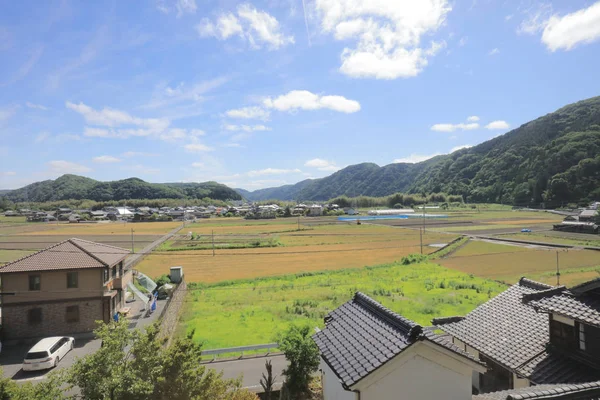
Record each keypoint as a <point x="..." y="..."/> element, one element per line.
<point x="69" y="187"/>
<point x="554" y="159"/>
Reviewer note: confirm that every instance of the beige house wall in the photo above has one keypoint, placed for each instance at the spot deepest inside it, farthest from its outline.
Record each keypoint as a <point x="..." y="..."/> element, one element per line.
<point x="53" y="285"/>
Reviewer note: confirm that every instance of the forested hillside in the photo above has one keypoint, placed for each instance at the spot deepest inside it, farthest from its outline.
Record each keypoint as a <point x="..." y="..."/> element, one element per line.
<point x="554" y="159"/>
<point x="78" y="187"/>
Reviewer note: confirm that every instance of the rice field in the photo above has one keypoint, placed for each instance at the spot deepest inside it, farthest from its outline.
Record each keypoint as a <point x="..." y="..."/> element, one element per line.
<point x="323" y="247"/>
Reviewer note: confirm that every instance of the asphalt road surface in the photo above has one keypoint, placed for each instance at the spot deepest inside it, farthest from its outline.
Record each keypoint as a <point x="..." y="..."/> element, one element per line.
<point x="251" y="370"/>
<point x="11" y="359"/>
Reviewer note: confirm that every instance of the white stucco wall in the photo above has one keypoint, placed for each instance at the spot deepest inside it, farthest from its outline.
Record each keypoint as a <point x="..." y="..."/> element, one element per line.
<point x="332" y="388"/>
<point x="519" y="383"/>
<point x="419" y="373"/>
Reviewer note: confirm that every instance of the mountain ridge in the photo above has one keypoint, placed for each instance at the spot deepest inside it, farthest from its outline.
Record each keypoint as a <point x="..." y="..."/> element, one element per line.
<point x="553" y="159"/>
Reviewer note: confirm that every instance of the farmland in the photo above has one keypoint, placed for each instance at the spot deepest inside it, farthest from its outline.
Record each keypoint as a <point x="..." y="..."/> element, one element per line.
<point x="313" y="248"/>
<point x="253" y="311"/>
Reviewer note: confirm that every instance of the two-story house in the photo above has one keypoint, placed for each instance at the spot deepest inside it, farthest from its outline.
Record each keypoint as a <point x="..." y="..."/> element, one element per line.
<point x="62" y="289"/>
<point x="532" y="334"/>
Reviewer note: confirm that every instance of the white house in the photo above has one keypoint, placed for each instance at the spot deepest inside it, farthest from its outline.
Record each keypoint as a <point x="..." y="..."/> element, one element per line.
<point x="368" y="352"/>
<point x="315" y="210"/>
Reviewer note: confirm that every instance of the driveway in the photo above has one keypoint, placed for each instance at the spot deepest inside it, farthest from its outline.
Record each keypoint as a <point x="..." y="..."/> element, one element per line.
<point x="251" y="370"/>
<point x="11" y="359"/>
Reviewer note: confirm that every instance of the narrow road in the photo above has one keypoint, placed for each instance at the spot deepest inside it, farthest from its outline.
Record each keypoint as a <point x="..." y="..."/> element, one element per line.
<point x="251" y="370"/>
<point x="136" y="258"/>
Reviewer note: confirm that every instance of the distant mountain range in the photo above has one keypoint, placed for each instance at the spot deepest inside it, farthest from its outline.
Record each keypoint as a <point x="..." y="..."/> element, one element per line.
<point x="69" y="187"/>
<point x="555" y="158"/>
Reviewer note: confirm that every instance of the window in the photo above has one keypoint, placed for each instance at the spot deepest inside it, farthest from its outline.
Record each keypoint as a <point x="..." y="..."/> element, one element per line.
<point x="563" y="335"/>
<point x="72" y="314"/>
<point x="589" y="339"/>
<point x="35" y="282"/>
<point x="34" y="316"/>
<point x="114" y="272"/>
<point x="72" y="280"/>
<point x="105" y="274"/>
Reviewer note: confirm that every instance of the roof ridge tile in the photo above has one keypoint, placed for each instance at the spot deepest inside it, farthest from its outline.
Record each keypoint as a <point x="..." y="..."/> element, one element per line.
<point x="73" y="242"/>
<point x="531" y="284"/>
<point x="527" y="297"/>
<point x="406" y="326"/>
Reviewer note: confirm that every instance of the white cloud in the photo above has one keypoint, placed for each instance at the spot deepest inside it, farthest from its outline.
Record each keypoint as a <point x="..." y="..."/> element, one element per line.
<point x="464" y="146"/>
<point x="387" y="33"/>
<point x="454" y="127"/>
<point x="232" y="145"/>
<point x="106" y="159"/>
<point x="41" y="137"/>
<point x="494" y="51"/>
<point x="305" y="100"/>
<point x="508" y="17"/>
<point x="8" y="173"/>
<point x="113" y="118"/>
<point x="256" y="27"/>
<point x="197" y="148"/>
<point x="537" y="18"/>
<point x="249" y="113"/>
<point x="568" y="31"/>
<point x="165" y="95"/>
<point x="36" y="106"/>
<point x="497" y="125"/>
<point x="185" y="7"/>
<point x="246" y="128"/>
<point x="198" y="165"/>
<point x="473" y="118"/>
<point x="415" y="158"/>
<point x="463" y="41"/>
<point x="98" y="132"/>
<point x="137" y="154"/>
<point x="322" y="165"/>
<point x="273" y="171"/>
<point x="67" y="167"/>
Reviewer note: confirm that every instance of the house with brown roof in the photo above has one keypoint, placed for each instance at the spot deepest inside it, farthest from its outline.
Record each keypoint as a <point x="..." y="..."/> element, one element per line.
<point x="532" y="335"/>
<point x="62" y="289"/>
<point x="369" y="352"/>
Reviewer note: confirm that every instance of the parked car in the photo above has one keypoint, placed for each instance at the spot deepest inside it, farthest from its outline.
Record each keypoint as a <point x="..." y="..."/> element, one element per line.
<point x="526" y="230"/>
<point x="47" y="353"/>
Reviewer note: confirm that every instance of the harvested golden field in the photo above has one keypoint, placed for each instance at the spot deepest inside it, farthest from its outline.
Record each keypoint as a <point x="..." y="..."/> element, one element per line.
<point x="524" y="222"/>
<point x="108" y="228"/>
<point x="508" y="267"/>
<point x="326" y="247"/>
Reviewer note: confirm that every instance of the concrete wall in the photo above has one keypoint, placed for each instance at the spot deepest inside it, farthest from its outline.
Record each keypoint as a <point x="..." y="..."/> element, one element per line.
<point x="53" y="286"/>
<point x="332" y="388"/>
<point x="15" y="324"/>
<point x="422" y="372"/>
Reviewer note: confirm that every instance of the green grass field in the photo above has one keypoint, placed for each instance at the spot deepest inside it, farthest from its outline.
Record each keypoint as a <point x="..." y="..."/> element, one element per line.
<point x="558" y="238"/>
<point x="253" y="311"/>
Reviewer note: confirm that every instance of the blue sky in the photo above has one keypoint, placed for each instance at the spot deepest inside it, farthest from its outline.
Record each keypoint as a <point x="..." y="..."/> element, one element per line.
<point x="263" y="93"/>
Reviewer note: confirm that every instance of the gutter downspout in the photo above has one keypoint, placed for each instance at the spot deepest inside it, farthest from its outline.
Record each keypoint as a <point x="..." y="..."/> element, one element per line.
<point x="357" y="394"/>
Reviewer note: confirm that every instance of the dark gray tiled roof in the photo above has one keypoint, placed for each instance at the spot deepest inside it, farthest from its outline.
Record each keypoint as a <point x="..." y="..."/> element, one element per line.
<point x="553" y="367"/>
<point x="584" y="308"/>
<point x="585" y="391"/>
<point x="362" y="335"/>
<point x="504" y="328"/>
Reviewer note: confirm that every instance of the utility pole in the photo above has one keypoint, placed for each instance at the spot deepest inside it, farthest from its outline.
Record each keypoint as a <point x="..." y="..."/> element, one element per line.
<point x="132" y="244"/>
<point x="421" y="236"/>
<point x="557" y="270"/>
<point x="213" y="242"/>
<point x="298" y="222"/>
<point x="423" y="217"/>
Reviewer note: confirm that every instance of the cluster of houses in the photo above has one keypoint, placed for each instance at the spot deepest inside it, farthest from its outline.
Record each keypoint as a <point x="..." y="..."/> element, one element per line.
<point x="125" y="213"/>
<point x="585" y="221"/>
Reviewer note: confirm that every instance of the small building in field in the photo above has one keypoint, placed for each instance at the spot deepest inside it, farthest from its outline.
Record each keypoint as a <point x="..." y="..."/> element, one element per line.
<point x="588" y="215"/>
<point x="315" y="210"/>
<point x="62" y="289"/>
<point x="368" y="352"/>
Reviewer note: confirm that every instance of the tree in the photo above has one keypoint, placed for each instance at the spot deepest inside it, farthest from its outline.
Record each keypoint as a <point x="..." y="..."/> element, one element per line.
<point x="51" y="388"/>
<point x="268" y="381"/>
<point x="135" y="365"/>
<point x="303" y="357"/>
<point x="6" y="387"/>
<point x="288" y="212"/>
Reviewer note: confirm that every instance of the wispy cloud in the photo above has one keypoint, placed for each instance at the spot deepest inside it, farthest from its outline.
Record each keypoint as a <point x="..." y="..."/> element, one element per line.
<point x="197" y="148"/>
<point x="166" y="95"/>
<point x="26" y="68"/>
<point x="497" y="125"/>
<point x="464" y="146"/>
<point x="246" y="128"/>
<point x="455" y="127"/>
<point x="494" y="51"/>
<point x="273" y="171"/>
<point x="7" y="112"/>
<point x="322" y="165"/>
<point x="67" y="167"/>
<point x="106" y="159"/>
<point x="257" y="28"/>
<point x="249" y="113"/>
<point x="36" y="106"/>
<point x="415" y="158"/>
<point x="41" y="137"/>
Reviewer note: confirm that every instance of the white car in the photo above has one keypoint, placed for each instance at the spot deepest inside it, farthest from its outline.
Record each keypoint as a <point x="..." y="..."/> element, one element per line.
<point x="47" y="353"/>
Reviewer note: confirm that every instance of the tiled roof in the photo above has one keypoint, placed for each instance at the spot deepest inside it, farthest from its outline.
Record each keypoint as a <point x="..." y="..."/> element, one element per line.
<point x="584" y="308"/>
<point x="362" y="335"/>
<point x="553" y="367"/>
<point x="585" y="391"/>
<point x="504" y="329"/>
<point x="69" y="254"/>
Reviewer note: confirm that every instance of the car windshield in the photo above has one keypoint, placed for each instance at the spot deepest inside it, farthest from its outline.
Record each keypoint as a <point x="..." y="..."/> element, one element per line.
<point x="36" y="354"/>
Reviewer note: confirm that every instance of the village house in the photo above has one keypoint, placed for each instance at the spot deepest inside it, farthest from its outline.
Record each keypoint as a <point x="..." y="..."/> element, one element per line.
<point x="532" y="334"/>
<point x="315" y="210"/>
<point x="368" y="352"/>
<point x="62" y="289"/>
